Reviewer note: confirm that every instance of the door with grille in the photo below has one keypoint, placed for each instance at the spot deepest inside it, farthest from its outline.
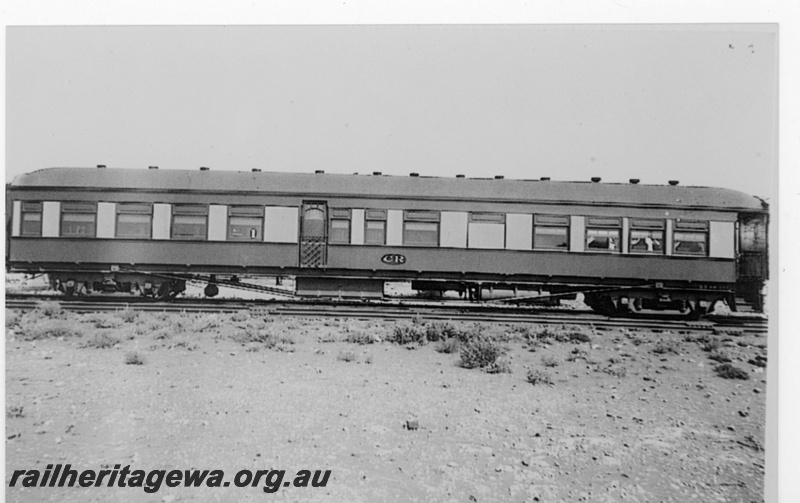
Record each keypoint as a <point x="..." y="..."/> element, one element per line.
<point x="314" y="234"/>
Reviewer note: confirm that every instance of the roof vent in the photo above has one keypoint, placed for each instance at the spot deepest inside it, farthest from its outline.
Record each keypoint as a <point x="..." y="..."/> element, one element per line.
<point x="596" y="179"/>
<point x="319" y="172"/>
<point x="152" y="167"/>
<point x="203" y="168"/>
<point x="101" y="166"/>
<point x="545" y="178"/>
<point x="459" y="176"/>
<point x="674" y="182"/>
<point x="634" y="180"/>
<point x="498" y="177"/>
<point x="256" y="170"/>
<point x="376" y="173"/>
<point x="414" y="175"/>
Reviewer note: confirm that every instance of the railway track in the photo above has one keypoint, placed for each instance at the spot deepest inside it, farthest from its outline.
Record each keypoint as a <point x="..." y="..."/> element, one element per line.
<point x="403" y="310"/>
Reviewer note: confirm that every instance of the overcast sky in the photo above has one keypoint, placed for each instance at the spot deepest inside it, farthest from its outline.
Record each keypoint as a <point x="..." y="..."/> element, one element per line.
<point x="696" y="103"/>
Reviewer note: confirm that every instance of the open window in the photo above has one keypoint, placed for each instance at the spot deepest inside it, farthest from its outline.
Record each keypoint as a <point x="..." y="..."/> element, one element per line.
<point x="78" y="220"/>
<point x="603" y="234"/>
<point x="646" y="236"/>
<point x="690" y="237"/>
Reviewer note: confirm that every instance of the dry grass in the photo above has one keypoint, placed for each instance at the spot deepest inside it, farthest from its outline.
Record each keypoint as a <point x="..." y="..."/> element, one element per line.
<point x="549" y="361"/>
<point x="480" y="352"/>
<point x="538" y="376"/>
<point x="667" y="346"/>
<point x="49" y="309"/>
<point x="449" y="346"/>
<point x="134" y="358"/>
<point x="347" y="356"/>
<point x="728" y="371"/>
<point x="102" y="341"/>
<point x="50" y="328"/>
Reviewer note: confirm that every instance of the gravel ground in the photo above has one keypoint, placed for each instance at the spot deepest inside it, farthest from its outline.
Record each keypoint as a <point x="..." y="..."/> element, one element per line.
<point x="632" y="415"/>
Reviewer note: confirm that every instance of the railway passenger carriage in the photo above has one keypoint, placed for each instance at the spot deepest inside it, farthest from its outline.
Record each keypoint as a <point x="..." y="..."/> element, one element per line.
<point x="624" y="246"/>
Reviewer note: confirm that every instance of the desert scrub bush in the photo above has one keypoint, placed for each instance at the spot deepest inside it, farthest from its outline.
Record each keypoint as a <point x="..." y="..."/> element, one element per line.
<point x="189" y="346"/>
<point x="538" y="376"/>
<point x="101" y="341"/>
<point x="180" y="323"/>
<point x="134" y="358"/>
<point x="549" y="361"/>
<point x="163" y="333"/>
<point x="636" y="340"/>
<point x="558" y="334"/>
<point x="360" y="337"/>
<point x="347" y="355"/>
<point x="720" y="356"/>
<point x="667" y="346"/>
<point x="440" y="331"/>
<point x="407" y="333"/>
<point x="699" y="338"/>
<point x="14" y="411"/>
<point x="711" y="346"/>
<point x="579" y="337"/>
<point x="12" y="318"/>
<point x="449" y="346"/>
<point x="577" y="354"/>
<point x="523" y="331"/>
<point x="480" y="352"/>
<point x="107" y="321"/>
<point x="328" y="337"/>
<point x="240" y="316"/>
<point x="269" y="337"/>
<point x="127" y="315"/>
<point x="49" y="309"/>
<point x="500" y="366"/>
<point x="51" y="329"/>
<point x="728" y="371"/>
<point x="616" y="371"/>
<point x="539" y="334"/>
<point x="207" y="322"/>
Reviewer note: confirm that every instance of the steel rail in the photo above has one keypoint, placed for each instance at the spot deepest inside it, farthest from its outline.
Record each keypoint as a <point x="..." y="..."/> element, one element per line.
<point x="733" y="325"/>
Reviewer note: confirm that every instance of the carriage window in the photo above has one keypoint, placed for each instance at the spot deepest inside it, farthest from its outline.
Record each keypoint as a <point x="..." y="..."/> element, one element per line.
<point x="78" y="220"/>
<point x="314" y="220"/>
<point x="647" y="236"/>
<point x="375" y="227"/>
<point x="690" y="238"/>
<point x="31" y="217"/>
<point x="134" y="220"/>
<point x="551" y="232"/>
<point x="603" y="234"/>
<point x="245" y="223"/>
<point x="189" y="221"/>
<point x="340" y="226"/>
<point x="421" y="228"/>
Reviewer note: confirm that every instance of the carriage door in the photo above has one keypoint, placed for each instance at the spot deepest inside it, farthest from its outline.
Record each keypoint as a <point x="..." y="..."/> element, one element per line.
<point x="314" y="234"/>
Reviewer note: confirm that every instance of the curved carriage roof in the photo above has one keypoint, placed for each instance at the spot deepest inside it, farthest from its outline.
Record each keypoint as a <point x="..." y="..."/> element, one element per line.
<point x="330" y="185"/>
